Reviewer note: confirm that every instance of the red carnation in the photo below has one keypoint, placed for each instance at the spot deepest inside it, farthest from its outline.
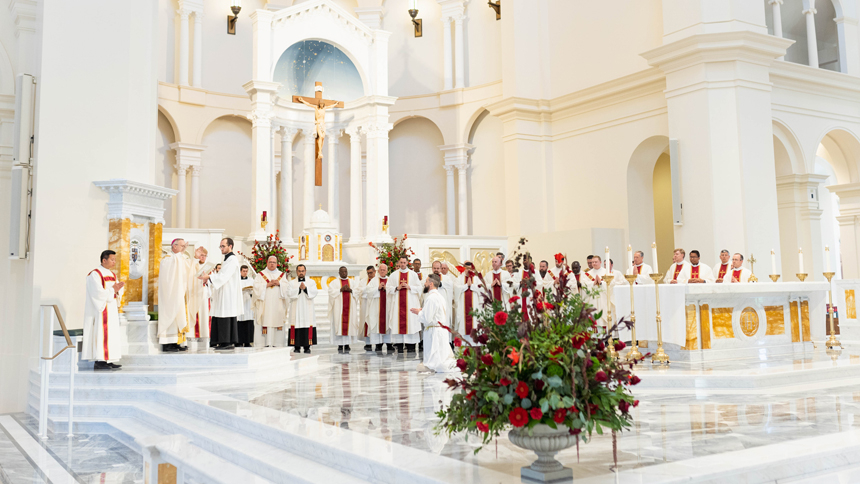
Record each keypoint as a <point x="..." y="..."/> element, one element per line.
<point x="556" y="351"/>
<point x="461" y="364"/>
<point x="522" y="389"/>
<point x="634" y="380"/>
<point x="539" y="306"/>
<point x="536" y="413"/>
<point x="600" y="376"/>
<point x="500" y="318"/>
<point x="548" y="306"/>
<point x="559" y="415"/>
<point x="573" y="410"/>
<point x="487" y="359"/>
<point x="619" y="345"/>
<point x="518" y="417"/>
<point x="466" y="351"/>
<point x="458" y="342"/>
<point x="483" y="427"/>
<point x="504" y="382"/>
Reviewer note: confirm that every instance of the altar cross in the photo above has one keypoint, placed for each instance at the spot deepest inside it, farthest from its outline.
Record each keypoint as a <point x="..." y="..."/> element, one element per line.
<point x="320" y="106"/>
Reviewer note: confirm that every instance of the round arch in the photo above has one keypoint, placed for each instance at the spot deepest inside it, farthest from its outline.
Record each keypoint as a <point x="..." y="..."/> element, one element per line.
<point x="365" y="82"/>
<point x="173" y="125"/>
<point x="211" y="119"/>
<point x="840" y="147"/>
<point x="788" y="155"/>
<point x="400" y="120"/>
<point x="473" y="122"/>
<point x="641" y="222"/>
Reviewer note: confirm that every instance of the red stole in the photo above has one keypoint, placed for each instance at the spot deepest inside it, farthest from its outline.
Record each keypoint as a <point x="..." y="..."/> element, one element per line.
<point x="736" y="274"/>
<point x="723" y="269"/>
<point x="497" y="290"/>
<point x="467" y="306"/>
<point x="639" y="269"/>
<point x="694" y="272"/>
<point x="104" y="311"/>
<point x="382" y="308"/>
<point x="678" y="268"/>
<point x="344" y="314"/>
<point x="403" y="304"/>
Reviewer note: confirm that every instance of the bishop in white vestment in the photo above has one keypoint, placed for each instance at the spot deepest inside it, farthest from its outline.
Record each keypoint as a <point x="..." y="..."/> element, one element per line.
<point x="173" y="312"/>
<point x="438" y="355"/>
<point x="404" y="288"/>
<point x="343" y="311"/>
<point x="447" y="290"/>
<point x="226" y="299"/>
<point x="468" y="289"/>
<point x="378" y="303"/>
<point x="303" y="331"/>
<point x="101" y="339"/>
<point x="271" y="302"/>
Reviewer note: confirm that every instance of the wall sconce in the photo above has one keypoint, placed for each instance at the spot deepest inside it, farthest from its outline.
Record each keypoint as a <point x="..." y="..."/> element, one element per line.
<point x="497" y="7"/>
<point x="236" y="7"/>
<point x="418" y="23"/>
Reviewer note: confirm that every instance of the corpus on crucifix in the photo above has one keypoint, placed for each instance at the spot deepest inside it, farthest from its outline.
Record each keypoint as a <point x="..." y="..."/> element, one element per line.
<point x="320" y="106"/>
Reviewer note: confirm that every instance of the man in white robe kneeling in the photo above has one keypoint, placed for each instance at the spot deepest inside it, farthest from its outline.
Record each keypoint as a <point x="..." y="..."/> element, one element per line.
<point x="101" y="315"/>
<point x="343" y="311"/>
<point x="272" y="297"/>
<point x="438" y="356"/>
<point x="378" y="304"/>
<point x="303" y="332"/>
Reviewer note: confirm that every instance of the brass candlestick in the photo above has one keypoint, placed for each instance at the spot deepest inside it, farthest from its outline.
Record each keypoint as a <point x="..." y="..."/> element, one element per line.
<point x="832" y="342"/>
<point x="774" y="277"/>
<point x="752" y="261"/>
<point x="634" y="353"/>
<point x="608" y="278"/>
<point x="802" y="276"/>
<point x="659" y="357"/>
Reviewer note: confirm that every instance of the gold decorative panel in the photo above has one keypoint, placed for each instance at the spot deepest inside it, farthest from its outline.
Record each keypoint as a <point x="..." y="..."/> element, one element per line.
<point x="318" y="280"/>
<point x="444" y="256"/>
<point x="721" y="321"/>
<point x="749" y="321"/>
<point x="850" y="305"/>
<point x="804" y="320"/>
<point x="692" y="332"/>
<point x="483" y="259"/>
<point x="795" y="322"/>
<point x="328" y="253"/>
<point x="155" y="235"/>
<point x="775" y="320"/>
<point x="166" y="474"/>
<point x="705" y="316"/>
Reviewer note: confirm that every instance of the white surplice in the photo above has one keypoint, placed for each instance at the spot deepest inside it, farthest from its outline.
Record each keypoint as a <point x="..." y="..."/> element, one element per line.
<point x="376" y="314"/>
<point x="408" y="331"/>
<point x="227" y="292"/>
<point x="437" y="353"/>
<point x="101" y="339"/>
<point x="173" y="312"/>
<point x="337" y="299"/>
<point x="271" y="303"/>
<point x="199" y="300"/>
<point x="302" y="303"/>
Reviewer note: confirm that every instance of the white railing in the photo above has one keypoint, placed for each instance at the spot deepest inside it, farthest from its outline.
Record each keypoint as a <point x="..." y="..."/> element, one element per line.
<point x="47" y="364"/>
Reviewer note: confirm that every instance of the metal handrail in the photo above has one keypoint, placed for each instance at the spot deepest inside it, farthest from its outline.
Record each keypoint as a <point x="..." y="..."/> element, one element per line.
<point x="69" y="344"/>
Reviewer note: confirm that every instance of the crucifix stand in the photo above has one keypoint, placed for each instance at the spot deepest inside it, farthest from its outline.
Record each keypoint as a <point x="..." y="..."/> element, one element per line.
<point x="320" y="106"/>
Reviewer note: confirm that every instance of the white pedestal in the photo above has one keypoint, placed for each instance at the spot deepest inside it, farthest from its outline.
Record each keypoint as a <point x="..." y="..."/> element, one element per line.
<point x="139" y="330"/>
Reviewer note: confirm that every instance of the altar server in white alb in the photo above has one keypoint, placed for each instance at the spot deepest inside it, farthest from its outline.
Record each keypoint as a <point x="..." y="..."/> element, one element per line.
<point x="404" y="288"/>
<point x="199" y="297"/>
<point x="640" y="268"/>
<point x="378" y="304"/>
<point x="226" y="300"/>
<point x="101" y="315"/>
<point x="722" y="268"/>
<point x="699" y="273"/>
<point x="343" y="311"/>
<point x="438" y="356"/>
<point x="738" y="274"/>
<point x="447" y="290"/>
<point x="361" y="290"/>
<point x="469" y="291"/>
<point x="173" y="312"/>
<point x="499" y="282"/>
<point x="679" y="271"/>
<point x="271" y="302"/>
<point x="245" y="321"/>
<point x="303" y="331"/>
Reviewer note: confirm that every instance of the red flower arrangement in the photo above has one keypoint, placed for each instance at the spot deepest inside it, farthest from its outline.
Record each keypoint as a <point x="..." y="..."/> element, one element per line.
<point x="262" y="250"/>
<point x="390" y="253"/>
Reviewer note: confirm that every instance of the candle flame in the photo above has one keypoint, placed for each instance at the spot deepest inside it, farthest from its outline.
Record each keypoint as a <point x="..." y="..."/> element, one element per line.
<point x="772" y="252"/>
<point x="653" y="245"/>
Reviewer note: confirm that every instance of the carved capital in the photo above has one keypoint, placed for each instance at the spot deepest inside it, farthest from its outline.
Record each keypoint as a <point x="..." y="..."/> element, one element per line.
<point x="184" y="13"/>
<point x="463" y="167"/>
<point x="181" y="168"/>
<point x="260" y="119"/>
<point x="195" y="170"/>
<point x="288" y="132"/>
<point x="810" y="11"/>
<point x="449" y="169"/>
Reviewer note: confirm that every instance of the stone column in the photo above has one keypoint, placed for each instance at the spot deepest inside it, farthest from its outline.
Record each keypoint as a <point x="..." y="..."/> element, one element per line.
<point x="811" y="40"/>
<point x="463" y="201"/>
<point x="459" y="55"/>
<point x="285" y="208"/>
<point x="849" y="227"/>
<point x="450" y="201"/>
<point x="457" y="156"/>
<point x="377" y="178"/>
<point x="308" y="185"/>
<point x="447" y="66"/>
<point x="262" y="96"/>
<point x="181" y="196"/>
<point x="183" y="45"/>
<point x="354" y="184"/>
<point x="195" y="196"/>
<point x="333" y="138"/>
<point x="777" y="19"/>
<point x="800" y="224"/>
<point x="198" y="49"/>
<point x="849" y="45"/>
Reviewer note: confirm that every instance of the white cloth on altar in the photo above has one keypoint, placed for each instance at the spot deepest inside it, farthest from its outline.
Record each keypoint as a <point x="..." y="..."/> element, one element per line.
<point x="302" y="303"/>
<point x="716" y="270"/>
<point x="743" y="279"/>
<point x="413" y="326"/>
<point x="672" y="312"/>
<point x="642" y="272"/>
<point x="173" y="312"/>
<point x="227" y="292"/>
<point x="271" y="303"/>
<point x="101" y="339"/>
<point x="438" y="355"/>
<point x="336" y="299"/>
<point x="683" y="274"/>
<point x="705" y="273"/>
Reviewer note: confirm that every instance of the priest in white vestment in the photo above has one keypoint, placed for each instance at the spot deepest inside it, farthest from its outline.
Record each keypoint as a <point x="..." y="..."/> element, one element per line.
<point x="343" y="311"/>
<point x="271" y="301"/>
<point x="499" y="282"/>
<point x="679" y="271"/>
<point x="245" y="321"/>
<point x="303" y="331"/>
<point x="226" y="299"/>
<point x="360" y="289"/>
<point x="640" y="268"/>
<point x="378" y="303"/>
<point x="580" y="282"/>
<point x="404" y="288"/>
<point x="173" y="275"/>
<point x="101" y="338"/>
<point x="438" y="356"/>
<point x="699" y="273"/>
<point x="199" y="297"/>
<point x="469" y="290"/>
<point x="722" y="268"/>
<point x="738" y="274"/>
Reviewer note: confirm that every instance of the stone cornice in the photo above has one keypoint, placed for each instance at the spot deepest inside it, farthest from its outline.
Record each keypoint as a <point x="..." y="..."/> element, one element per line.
<point x="130" y="199"/>
<point x="717" y="47"/>
<point x="116" y="185"/>
<point x="298" y="13"/>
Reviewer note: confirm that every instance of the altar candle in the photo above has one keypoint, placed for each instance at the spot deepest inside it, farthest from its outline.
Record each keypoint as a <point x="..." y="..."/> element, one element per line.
<point x="630" y="255"/>
<point x="607" y="259"/>
<point x="264" y="215"/>
<point x="654" y="257"/>
<point x="800" y="260"/>
<point x="827" y="257"/>
<point x="772" y="261"/>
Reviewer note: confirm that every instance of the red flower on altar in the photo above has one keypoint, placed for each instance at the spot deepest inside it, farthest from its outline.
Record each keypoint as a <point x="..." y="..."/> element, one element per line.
<point x="559" y="415"/>
<point x="483" y="427"/>
<point x="504" y="382"/>
<point x="600" y="376"/>
<point x="466" y="352"/>
<point x="557" y="351"/>
<point x="623" y="406"/>
<point x="578" y="341"/>
<point x="619" y="345"/>
<point x="514" y="357"/>
<point x="487" y="359"/>
<point x="522" y="389"/>
<point x="592" y="408"/>
<point x="575" y="431"/>
<point x="536" y="414"/>
<point x="634" y="380"/>
<point x="458" y="342"/>
<point x="500" y="318"/>
<point x="461" y="364"/>
<point x="635" y="403"/>
<point x="518" y="417"/>
<point x="539" y="306"/>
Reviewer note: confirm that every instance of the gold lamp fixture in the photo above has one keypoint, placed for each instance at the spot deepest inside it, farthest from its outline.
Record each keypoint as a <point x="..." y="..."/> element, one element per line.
<point x="417" y="22"/>
<point x="497" y="6"/>
<point x="236" y="7"/>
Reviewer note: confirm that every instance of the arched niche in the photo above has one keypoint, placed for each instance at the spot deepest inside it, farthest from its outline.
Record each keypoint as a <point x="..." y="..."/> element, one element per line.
<point x="646" y="161"/>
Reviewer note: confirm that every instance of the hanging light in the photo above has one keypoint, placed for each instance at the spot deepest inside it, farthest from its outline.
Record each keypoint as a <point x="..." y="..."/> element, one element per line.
<point x="418" y="23"/>
<point x="236" y="7"/>
<point x="497" y="6"/>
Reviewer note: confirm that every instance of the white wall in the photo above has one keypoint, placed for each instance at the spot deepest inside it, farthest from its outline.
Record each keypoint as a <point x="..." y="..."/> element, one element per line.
<point x="165" y="161"/>
<point x="414" y="64"/>
<point x="487" y="179"/>
<point x="225" y="179"/>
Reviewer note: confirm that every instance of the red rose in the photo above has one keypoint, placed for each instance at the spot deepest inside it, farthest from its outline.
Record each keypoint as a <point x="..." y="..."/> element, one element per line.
<point x="536" y="414"/>
<point x="483" y="338"/>
<point x="458" y="342"/>
<point x="483" y="427"/>
<point x="487" y="359"/>
<point x="514" y="299"/>
<point x="548" y="306"/>
<point x="467" y="351"/>
<point x="471" y="395"/>
<point x="635" y="403"/>
<point x="518" y="417"/>
<point x="635" y="380"/>
<point x="500" y="318"/>
<point x="461" y="364"/>
<point x="504" y="382"/>
<point x="573" y="410"/>
<point x="619" y="345"/>
<point x="559" y="415"/>
<point x="556" y="351"/>
<point x="578" y="341"/>
<point x="623" y="406"/>
<point x="522" y="389"/>
<point x="600" y="376"/>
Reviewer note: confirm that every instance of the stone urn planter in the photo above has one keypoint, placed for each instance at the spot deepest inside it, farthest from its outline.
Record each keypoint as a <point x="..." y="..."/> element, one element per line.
<point x="546" y="443"/>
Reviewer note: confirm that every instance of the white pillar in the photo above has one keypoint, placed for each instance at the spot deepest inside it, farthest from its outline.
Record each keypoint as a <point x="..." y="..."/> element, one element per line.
<point x="333" y="138"/>
<point x="198" y="49"/>
<point x="811" y="41"/>
<point x="354" y="184"/>
<point x="849" y="228"/>
<point x="308" y="185"/>
<point x="183" y="45"/>
<point x="180" y="197"/>
<point x="459" y="55"/>
<point x="285" y="207"/>
<point x="195" y="196"/>
<point x="377" y="178"/>
<point x="777" y="19"/>
<point x="463" y="202"/>
<point x="273" y="177"/>
<point x="262" y="95"/>
<point x="446" y="50"/>
<point x="450" y="200"/>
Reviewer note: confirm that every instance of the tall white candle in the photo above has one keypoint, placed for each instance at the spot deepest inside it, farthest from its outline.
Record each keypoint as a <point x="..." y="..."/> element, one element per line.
<point x="630" y="255"/>
<point x="800" y="260"/>
<point x="654" y="257"/>
<point x="772" y="261"/>
<point x="607" y="259"/>
<point x="827" y="257"/>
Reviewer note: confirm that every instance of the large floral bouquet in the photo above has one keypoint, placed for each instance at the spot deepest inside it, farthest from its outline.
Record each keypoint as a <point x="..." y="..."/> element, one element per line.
<point x="552" y="368"/>
<point x="270" y="247"/>
<point x="390" y="253"/>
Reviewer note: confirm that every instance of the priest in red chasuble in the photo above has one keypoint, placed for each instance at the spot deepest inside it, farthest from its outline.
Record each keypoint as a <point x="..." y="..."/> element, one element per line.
<point x="404" y="289"/>
<point x="343" y="311"/>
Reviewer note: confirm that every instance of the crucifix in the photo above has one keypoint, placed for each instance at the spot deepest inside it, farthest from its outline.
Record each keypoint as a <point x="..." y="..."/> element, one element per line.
<point x="320" y="106"/>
